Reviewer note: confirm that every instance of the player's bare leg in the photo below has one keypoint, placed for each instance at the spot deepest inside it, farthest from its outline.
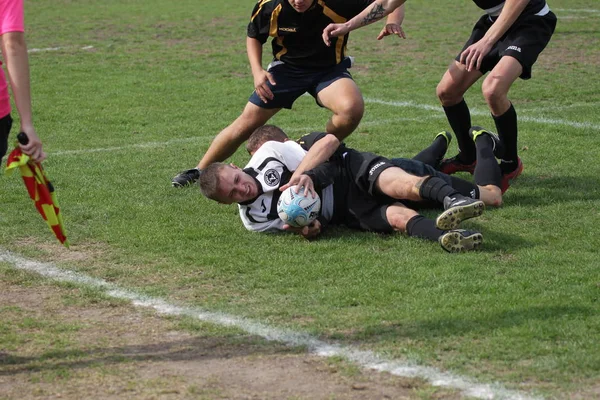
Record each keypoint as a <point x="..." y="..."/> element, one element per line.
<point x="495" y="91"/>
<point x="450" y="91"/>
<point x="399" y="184"/>
<point x="227" y="141"/>
<point x="344" y="99"/>
<point x="232" y="137"/>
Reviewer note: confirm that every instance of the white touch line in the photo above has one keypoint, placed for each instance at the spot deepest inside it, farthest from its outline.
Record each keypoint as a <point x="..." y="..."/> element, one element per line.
<point x="131" y="146"/>
<point x="523" y="118"/>
<point x="577" y="10"/>
<point x="408" y="104"/>
<point x="561" y="108"/>
<point x="363" y="358"/>
<point x="34" y="50"/>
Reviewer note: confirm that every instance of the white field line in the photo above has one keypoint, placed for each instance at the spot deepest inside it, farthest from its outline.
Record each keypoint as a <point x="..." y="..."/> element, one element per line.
<point x="365" y="359"/>
<point x="576" y="10"/>
<point x="403" y="104"/>
<point x="203" y="138"/>
<point x="539" y="120"/>
<point x="131" y="146"/>
<point x="560" y="108"/>
<point x="34" y="50"/>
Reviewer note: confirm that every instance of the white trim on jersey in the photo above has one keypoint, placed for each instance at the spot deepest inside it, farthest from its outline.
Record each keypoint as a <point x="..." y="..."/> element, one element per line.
<point x="543" y="11"/>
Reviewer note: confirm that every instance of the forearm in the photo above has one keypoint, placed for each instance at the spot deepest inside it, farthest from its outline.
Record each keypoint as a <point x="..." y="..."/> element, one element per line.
<point x="509" y="14"/>
<point x="14" y="50"/>
<point x="318" y="153"/>
<point x="254" y="50"/>
<point x="397" y="16"/>
<point x="374" y="13"/>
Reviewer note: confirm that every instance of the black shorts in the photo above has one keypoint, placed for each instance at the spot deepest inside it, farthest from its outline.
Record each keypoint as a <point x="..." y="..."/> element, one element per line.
<point x="363" y="207"/>
<point x="5" y="125"/>
<point x="293" y="82"/>
<point x="524" y="40"/>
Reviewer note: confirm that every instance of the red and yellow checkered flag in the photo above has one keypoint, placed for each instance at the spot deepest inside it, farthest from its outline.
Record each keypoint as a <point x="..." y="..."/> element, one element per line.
<point x="40" y="190"/>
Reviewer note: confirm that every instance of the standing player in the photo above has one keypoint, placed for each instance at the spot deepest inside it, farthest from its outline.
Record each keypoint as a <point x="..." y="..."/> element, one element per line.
<point x="301" y="63"/>
<point x="505" y="42"/>
<point x="14" y="54"/>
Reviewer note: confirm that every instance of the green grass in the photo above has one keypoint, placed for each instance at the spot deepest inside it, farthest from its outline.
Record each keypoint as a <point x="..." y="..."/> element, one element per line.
<point x="524" y="311"/>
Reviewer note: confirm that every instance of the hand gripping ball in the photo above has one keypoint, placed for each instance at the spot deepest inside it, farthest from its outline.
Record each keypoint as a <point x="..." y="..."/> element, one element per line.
<point x="298" y="210"/>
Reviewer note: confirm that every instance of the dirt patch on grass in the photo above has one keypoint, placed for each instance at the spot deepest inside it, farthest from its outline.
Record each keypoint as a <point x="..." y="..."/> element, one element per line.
<point x="53" y="347"/>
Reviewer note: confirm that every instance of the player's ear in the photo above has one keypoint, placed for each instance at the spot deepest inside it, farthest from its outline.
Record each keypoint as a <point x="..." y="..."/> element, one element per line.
<point x="232" y="165"/>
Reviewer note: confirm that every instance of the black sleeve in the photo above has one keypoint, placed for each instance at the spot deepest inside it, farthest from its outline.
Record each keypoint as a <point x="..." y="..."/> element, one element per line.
<point x="307" y="141"/>
<point x="323" y="175"/>
<point x="260" y="21"/>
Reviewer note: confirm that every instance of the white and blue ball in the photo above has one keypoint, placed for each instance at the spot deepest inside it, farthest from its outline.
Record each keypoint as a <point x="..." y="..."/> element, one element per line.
<point x="298" y="210"/>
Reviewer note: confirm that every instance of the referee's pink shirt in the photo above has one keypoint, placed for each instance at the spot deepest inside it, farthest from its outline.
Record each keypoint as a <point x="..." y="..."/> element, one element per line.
<point x="11" y="20"/>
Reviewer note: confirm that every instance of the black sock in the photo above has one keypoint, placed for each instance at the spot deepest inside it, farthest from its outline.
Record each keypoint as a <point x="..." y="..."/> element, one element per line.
<point x="487" y="170"/>
<point x="433" y="154"/>
<point x="422" y="227"/>
<point x="436" y="189"/>
<point x="466" y="188"/>
<point x="459" y="118"/>
<point x="506" y="125"/>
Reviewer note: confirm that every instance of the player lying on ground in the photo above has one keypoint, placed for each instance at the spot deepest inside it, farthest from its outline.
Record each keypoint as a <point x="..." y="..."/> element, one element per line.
<point x="360" y="190"/>
<point x="427" y="162"/>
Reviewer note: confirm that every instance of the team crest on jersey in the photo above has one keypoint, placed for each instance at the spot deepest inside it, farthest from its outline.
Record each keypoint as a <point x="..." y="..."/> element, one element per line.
<point x="272" y="177"/>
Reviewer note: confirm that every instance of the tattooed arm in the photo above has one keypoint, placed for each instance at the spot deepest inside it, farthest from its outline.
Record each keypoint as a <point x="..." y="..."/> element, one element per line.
<point x="374" y="12"/>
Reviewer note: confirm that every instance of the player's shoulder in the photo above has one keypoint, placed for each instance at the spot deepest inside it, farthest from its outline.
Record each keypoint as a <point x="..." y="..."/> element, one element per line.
<point x="309" y="139"/>
<point x="267" y="6"/>
<point x="273" y="152"/>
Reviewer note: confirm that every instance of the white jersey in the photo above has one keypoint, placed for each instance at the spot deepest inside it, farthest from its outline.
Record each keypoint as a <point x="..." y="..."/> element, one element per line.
<point x="272" y="166"/>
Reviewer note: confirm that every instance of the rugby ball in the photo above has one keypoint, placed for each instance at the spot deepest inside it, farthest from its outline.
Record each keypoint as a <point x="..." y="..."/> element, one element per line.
<point x="298" y="210"/>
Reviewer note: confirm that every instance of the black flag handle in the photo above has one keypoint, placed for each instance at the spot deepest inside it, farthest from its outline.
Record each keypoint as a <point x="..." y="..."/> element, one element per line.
<point x="22" y="138"/>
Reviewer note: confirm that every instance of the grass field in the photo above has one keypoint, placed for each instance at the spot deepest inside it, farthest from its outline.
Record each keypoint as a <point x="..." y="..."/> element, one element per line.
<point x="128" y="93"/>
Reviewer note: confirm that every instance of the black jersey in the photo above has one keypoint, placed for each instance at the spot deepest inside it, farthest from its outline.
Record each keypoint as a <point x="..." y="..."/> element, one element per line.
<point x="493" y="7"/>
<point x="297" y="37"/>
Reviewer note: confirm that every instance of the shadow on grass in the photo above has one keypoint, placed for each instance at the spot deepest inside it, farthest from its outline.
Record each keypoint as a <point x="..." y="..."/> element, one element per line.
<point x="494" y="240"/>
<point x="194" y="349"/>
<point x="554" y="189"/>
<point x="448" y="327"/>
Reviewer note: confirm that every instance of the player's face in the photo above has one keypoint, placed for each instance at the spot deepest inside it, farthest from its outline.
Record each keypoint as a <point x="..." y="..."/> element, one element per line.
<point x="236" y="186"/>
<point x="301" y="5"/>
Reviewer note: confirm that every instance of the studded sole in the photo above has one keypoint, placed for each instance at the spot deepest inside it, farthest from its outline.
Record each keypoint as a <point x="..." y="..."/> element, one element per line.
<point x="452" y="217"/>
<point x="455" y="242"/>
